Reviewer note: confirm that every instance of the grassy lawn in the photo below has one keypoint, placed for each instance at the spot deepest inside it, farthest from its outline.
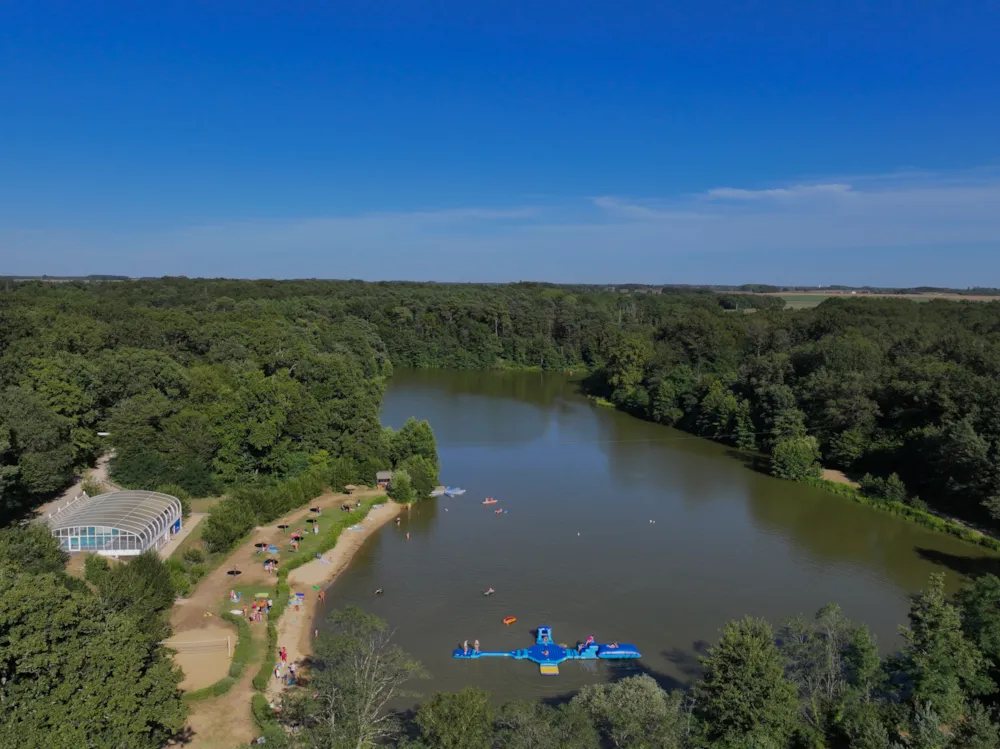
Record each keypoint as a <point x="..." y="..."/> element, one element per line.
<point x="248" y="592"/>
<point x="331" y="521"/>
<point x="192" y="539"/>
<point x="204" y="504"/>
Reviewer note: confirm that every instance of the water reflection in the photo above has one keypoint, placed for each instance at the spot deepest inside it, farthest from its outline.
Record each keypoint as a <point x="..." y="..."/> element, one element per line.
<point x="577" y="550"/>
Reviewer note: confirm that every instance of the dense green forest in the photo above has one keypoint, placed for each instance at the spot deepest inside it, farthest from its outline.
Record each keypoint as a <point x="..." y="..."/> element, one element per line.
<point x="814" y="683"/>
<point x="209" y="383"/>
<point x="198" y="394"/>
<point x="267" y="391"/>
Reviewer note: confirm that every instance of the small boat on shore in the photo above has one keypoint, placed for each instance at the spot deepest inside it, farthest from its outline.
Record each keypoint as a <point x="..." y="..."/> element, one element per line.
<point x="489" y="501"/>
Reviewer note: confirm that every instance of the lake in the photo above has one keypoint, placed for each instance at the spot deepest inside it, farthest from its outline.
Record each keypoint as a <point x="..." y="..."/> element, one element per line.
<point x="577" y="551"/>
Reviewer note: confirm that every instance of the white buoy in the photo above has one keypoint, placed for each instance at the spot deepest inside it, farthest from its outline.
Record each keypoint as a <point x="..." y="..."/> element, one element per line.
<point x="578" y="534"/>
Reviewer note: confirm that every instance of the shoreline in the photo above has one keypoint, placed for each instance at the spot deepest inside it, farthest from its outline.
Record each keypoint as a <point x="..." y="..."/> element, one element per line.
<point x="295" y="628"/>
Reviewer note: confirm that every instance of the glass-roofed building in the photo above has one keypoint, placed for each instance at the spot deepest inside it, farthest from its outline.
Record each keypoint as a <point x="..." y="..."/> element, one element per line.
<point x="121" y="523"/>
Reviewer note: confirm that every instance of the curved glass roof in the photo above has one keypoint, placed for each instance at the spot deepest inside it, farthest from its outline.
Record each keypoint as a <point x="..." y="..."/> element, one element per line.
<point x="129" y="511"/>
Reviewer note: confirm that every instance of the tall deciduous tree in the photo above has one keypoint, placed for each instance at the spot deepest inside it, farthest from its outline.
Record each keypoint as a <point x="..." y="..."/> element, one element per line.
<point x="744" y="695"/>
<point x="358" y="672"/>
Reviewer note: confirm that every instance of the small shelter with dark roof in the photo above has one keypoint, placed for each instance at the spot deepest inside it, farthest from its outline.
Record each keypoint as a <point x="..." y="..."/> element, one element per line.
<point x="123" y="523"/>
<point x="383" y="479"/>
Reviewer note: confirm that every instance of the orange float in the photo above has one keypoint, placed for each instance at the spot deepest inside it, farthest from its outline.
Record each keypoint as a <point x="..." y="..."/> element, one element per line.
<point x="509" y="620"/>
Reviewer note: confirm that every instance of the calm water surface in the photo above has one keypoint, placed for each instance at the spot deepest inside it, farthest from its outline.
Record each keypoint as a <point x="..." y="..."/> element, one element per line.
<point x="577" y="549"/>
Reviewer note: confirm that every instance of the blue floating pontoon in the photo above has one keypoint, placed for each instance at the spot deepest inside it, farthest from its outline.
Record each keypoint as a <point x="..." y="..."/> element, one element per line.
<point x="548" y="655"/>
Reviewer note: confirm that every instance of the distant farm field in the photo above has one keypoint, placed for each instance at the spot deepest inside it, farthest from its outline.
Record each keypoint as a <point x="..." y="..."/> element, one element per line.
<point x="803" y="301"/>
<point x="806" y="300"/>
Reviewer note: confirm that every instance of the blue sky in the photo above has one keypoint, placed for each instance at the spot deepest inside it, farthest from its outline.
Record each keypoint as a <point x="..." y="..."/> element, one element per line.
<point x="696" y="142"/>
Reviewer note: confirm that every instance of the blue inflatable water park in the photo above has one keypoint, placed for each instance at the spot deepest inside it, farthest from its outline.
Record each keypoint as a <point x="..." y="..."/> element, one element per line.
<point x="548" y="655"/>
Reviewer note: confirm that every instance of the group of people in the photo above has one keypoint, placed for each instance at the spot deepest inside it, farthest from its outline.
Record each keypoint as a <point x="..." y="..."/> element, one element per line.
<point x="271" y="566"/>
<point x="283" y="670"/>
<point x="257" y="610"/>
<point x="465" y="647"/>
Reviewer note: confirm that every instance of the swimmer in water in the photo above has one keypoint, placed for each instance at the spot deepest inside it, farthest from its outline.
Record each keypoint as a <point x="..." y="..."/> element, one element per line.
<point x="379" y="592"/>
<point x="475" y="646"/>
<point x="488" y="592"/>
<point x="465" y="647"/>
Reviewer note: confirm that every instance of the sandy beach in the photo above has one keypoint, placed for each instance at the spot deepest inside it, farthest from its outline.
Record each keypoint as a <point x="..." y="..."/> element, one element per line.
<point x="295" y="627"/>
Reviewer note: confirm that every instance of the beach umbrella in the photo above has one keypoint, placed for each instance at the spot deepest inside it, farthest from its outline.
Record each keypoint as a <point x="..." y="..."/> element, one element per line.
<point x="271" y="561"/>
<point x="312" y="520"/>
<point x="261" y="545"/>
<point x="283" y="526"/>
<point x="313" y="509"/>
<point x="234" y="572"/>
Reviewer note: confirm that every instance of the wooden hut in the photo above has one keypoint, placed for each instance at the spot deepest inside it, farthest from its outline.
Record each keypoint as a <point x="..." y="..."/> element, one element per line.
<point x="383" y="479"/>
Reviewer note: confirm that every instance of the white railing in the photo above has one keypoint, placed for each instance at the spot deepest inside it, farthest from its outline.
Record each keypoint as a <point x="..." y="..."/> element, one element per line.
<point x="81" y="496"/>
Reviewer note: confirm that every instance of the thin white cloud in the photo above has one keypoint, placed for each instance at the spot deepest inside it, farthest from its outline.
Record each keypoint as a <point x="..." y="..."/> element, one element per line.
<point x="600" y="235"/>
<point x="781" y="193"/>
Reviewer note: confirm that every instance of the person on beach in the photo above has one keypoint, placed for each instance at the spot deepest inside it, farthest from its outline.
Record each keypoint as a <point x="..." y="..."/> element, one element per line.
<point x="283" y="654"/>
<point x="322" y="596"/>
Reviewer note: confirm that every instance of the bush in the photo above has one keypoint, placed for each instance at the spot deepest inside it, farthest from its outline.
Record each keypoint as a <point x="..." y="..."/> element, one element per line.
<point x="423" y="475"/>
<point x="180" y="578"/>
<point x="244" y="645"/>
<point x="95" y="568"/>
<point x="890" y="489"/>
<point x="401" y="487"/>
<point x="194" y="555"/>
<point x="92" y="487"/>
<point x="796" y="458"/>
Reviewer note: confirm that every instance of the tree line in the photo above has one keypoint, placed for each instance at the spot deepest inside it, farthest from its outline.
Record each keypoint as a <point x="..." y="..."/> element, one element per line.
<point x="813" y="683"/>
<point x="198" y="394"/>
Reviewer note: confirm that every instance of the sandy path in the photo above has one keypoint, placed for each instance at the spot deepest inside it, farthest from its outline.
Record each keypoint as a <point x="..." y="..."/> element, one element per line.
<point x="226" y="722"/>
<point x="838" y="477"/>
<point x="294" y="627"/>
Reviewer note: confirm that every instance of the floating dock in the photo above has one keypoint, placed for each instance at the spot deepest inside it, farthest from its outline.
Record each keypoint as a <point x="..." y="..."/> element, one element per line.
<point x="548" y="655"/>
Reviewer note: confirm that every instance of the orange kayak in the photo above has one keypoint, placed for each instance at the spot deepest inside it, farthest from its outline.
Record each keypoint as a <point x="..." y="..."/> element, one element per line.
<point x="510" y="620"/>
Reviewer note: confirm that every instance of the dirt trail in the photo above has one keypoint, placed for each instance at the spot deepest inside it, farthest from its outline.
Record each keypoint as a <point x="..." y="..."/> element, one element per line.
<point x="226" y="722"/>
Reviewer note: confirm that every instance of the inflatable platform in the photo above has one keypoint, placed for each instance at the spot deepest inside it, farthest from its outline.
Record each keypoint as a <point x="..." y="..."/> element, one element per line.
<point x="548" y="655"/>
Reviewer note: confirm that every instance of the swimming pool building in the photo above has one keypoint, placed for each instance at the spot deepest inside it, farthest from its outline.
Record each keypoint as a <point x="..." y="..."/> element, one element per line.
<point x="123" y="523"/>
